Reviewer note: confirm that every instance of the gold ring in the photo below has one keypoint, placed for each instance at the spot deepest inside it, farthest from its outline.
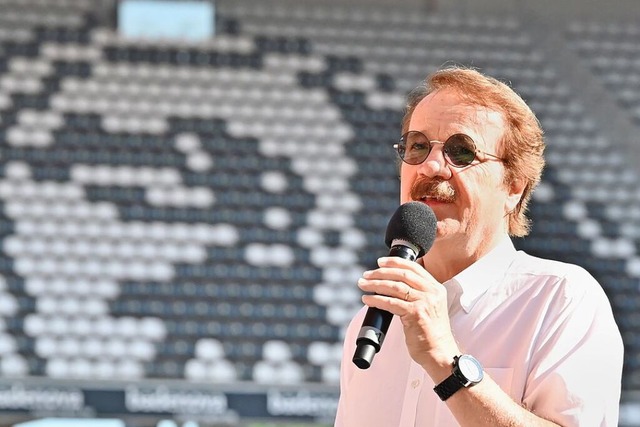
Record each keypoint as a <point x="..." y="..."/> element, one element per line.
<point x="406" y="296"/>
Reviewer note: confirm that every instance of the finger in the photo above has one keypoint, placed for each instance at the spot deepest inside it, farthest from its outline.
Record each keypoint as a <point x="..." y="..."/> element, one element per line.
<point x="390" y="288"/>
<point x="395" y="306"/>
<point x="400" y="274"/>
<point x="408" y="295"/>
<point x="398" y="262"/>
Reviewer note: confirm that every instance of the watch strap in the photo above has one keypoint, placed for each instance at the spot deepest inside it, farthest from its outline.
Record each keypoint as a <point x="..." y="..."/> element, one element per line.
<point x="448" y="387"/>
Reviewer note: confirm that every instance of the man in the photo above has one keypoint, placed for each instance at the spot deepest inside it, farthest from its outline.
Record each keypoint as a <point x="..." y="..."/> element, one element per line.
<point x="532" y="342"/>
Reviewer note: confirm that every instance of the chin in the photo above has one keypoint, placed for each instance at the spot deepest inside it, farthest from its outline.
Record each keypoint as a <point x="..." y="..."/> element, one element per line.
<point x="447" y="229"/>
<point x="442" y="233"/>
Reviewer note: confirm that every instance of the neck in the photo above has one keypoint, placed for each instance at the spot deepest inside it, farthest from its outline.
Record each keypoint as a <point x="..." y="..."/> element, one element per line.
<point x="448" y="258"/>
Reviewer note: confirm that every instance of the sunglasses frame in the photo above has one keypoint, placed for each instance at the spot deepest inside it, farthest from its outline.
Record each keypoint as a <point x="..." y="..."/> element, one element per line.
<point x="447" y="158"/>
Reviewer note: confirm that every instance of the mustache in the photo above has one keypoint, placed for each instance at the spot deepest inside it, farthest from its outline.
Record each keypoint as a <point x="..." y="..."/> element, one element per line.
<point x="439" y="190"/>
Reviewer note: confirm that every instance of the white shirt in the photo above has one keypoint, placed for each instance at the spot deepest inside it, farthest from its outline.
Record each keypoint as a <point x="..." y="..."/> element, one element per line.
<point x="543" y="330"/>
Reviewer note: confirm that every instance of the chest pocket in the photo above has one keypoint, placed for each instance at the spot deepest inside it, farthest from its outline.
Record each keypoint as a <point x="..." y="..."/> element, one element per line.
<point x="502" y="376"/>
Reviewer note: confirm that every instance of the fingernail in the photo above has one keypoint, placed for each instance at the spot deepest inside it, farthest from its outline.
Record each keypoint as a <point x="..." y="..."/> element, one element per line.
<point x="366" y="273"/>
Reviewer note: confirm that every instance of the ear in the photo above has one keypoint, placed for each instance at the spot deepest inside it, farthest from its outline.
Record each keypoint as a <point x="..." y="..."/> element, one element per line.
<point x="515" y="190"/>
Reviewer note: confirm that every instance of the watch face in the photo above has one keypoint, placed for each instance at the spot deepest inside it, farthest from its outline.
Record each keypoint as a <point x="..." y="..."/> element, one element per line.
<point x="470" y="368"/>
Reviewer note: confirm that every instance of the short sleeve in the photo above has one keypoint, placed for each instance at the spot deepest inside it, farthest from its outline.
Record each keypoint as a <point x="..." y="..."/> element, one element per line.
<point x="576" y="365"/>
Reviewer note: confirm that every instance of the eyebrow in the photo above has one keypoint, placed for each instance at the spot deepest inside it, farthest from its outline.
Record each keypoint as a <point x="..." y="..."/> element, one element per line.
<point x="449" y="136"/>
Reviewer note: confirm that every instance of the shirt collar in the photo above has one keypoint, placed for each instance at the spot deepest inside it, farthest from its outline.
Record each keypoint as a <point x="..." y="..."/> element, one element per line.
<point x="475" y="280"/>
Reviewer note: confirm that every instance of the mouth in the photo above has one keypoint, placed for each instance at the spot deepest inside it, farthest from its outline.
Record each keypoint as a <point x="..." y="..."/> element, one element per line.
<point x="433" y="192"/>
<point x="432" y="200"/>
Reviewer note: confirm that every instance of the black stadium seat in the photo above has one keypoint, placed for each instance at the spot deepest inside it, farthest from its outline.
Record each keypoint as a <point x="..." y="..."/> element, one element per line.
<point x="216" y="203"/>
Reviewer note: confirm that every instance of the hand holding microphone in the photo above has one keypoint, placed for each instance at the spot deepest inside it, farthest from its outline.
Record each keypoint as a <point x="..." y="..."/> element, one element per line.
<point x="410" y="233"/>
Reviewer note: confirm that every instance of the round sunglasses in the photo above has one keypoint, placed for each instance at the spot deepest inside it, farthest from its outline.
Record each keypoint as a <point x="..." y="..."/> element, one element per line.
<point x="459" y="149"/>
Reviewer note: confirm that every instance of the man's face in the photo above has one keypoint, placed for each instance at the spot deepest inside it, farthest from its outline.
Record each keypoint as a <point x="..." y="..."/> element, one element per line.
<point x="470" y="202"/>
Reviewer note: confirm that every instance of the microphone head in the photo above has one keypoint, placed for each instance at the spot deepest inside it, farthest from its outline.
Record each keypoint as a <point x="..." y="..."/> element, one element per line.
<point x="415" y="223"/>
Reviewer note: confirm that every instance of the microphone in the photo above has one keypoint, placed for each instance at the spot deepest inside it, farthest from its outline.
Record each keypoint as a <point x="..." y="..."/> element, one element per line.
<point x="410" y="233"/>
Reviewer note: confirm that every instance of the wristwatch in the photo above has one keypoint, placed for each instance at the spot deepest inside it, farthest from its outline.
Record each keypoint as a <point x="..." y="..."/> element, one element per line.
<point x="466" y="372"/>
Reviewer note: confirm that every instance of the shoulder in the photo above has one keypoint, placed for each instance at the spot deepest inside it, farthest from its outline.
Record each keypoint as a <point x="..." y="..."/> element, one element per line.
<point x="569" y="302"/>
<point x="531" y="265"/>
<point x="561" y="279"/>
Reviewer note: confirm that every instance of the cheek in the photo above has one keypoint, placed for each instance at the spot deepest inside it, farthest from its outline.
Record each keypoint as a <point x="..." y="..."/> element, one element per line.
<point x="406" y="181"/>
<point x="470" y="200"/>
<point x="405" y="191"/>
<point x="484" y="201"/>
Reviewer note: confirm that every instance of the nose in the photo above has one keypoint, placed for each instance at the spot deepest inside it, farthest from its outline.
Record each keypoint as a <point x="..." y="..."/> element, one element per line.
<point x="435" y="165"/>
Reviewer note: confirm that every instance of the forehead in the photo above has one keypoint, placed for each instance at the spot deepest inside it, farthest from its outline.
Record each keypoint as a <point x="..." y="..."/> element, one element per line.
<point x="444" y="112"/>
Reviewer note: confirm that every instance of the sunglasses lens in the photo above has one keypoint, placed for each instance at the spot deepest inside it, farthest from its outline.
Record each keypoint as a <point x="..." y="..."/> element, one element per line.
<point x="460" y="149"/>
<point x="414" y="147"/>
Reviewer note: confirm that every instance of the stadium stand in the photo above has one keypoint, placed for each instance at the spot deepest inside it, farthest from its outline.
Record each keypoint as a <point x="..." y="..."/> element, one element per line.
<point x="198" y="214"/>
<point x="610" y="50"/>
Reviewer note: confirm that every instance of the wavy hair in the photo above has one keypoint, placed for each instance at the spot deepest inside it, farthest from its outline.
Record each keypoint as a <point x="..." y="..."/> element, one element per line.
<point x="522" y="144"/>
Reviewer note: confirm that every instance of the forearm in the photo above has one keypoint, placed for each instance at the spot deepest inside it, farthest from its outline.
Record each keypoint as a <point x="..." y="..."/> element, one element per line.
<point x="486" y="404"/>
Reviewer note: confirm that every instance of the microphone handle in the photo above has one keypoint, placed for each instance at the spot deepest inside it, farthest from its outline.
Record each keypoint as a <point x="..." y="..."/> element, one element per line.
<point x="376" y="321"/>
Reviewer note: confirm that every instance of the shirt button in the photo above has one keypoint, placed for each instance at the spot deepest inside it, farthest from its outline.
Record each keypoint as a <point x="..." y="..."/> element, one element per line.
<point x="415" y="383"/>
